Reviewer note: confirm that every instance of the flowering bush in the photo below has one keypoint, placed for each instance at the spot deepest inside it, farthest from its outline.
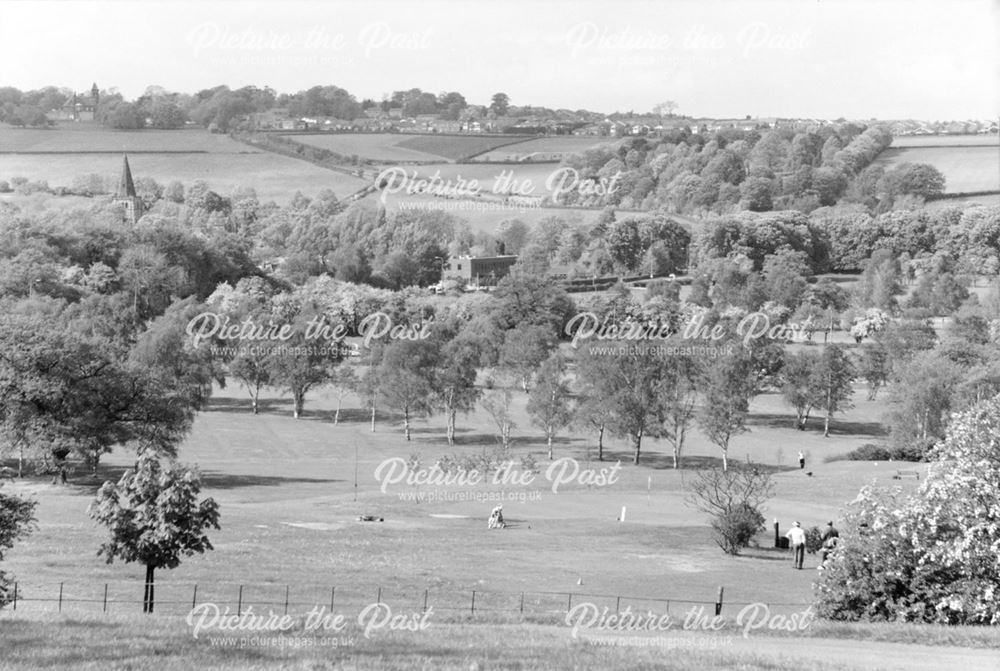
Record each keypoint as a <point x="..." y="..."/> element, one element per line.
<point x="933" y="556"/>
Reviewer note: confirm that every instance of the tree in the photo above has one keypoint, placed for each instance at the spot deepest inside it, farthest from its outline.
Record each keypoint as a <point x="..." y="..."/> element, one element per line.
<point x="406" y="377"/>
<point x="785" y="276"/>
<point x="832" y="299"/>
<point x="733" y="498"/>
<point x="593" y="371"/>
<point x="914" y="179"/>
<point x="343" y="380"/>
<point x="632" y="386"/>
<point x="873" y="367"/>
<point x="154" y="517"/>
<point x="301" y="364"/>
<point x="455" y="380"/>
<point x="921" y="398"/>
<point x="798" y="384"/>
<point x="524" y="349"/>
<point x="549" y="403"/>
<point x="499" y="103"/>
<point x="727" y="385"/>
<point x="17" y="520"/>
<point x="69" y="392"/>
<point x="680" y="400"/>
<point x="834" y="376"/>
<point x="497" y="403"/>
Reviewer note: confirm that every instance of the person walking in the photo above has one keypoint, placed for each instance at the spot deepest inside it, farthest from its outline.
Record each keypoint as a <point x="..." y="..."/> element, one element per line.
<point x="802" y="460"/>
<point x="797" y="539"/>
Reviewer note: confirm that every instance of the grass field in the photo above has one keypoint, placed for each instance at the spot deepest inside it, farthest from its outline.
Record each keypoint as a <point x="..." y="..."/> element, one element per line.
<point x="274" y="177"/>
<point x="89" y="137"/>
<point x="458" y="147"/>
<point x="945" y="140"/>
<point x="547" y="149"/>
<point x="965" y="168"/>
<point x="392" y="147"/>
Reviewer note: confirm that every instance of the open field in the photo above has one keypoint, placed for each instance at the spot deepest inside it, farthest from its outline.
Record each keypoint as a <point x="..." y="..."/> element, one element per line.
<point x="546" y="149"/>
<point x="945" y="140"/>
<point x="391" y="147"/>
<point x="94" y="138"/>
<point x="372" y="146"/>
<point x="457" y="147"/>
<point x="965" y="168"/>
<point x="274" y="177"/>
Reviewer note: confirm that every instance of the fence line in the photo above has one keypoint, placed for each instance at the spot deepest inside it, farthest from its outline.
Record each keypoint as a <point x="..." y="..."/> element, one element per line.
<point x="180" y="598"/>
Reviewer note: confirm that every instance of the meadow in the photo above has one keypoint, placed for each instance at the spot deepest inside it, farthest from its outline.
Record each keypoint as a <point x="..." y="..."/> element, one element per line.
<point x="979" y="140"/>
<point x="93" y="138"/>
<point x="966" y="168"/>
<point x="393" y="147"/>
<point x="546" y="149"/>
<point x="274" y="177"/>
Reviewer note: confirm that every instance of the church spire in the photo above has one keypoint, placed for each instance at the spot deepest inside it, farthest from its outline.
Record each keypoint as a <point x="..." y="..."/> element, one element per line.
<point x="126" y="187"/>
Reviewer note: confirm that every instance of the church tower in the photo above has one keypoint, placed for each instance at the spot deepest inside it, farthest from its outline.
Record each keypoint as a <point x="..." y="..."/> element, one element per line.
<point x="125" y="198"/>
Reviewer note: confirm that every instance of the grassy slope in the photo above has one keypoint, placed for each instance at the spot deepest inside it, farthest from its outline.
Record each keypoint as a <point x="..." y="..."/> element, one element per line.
<point x="965" y="168"/>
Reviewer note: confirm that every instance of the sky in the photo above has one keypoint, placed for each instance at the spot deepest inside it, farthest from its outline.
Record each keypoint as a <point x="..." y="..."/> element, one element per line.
<point x="857" y="59"/>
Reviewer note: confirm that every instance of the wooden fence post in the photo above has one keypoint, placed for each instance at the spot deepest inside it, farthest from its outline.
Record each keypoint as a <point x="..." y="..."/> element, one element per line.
<point x="15" y="596"/>
<point x="286" y="599"/>
<point x="718" y="603"/>
<point x="379" y="599"/>
<point x="425" y="601"/>
<point x="473" y="602"/>
<point x="618" y="603"/>
<point x="105" y="597"/>
<point x="239" y="604"/>
<point x="60" y="596"/>
<point x="333" y="593"/>
<point x="569" y="602"/>
<point x="194" y="597"/>
<point x="522" y="602"/>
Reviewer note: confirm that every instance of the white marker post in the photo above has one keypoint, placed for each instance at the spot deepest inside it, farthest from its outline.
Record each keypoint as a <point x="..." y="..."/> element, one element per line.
<point x="622" y="518"/>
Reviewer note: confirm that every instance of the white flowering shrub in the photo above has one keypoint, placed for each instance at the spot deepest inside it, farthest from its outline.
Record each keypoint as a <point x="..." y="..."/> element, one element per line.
<point x="933" y="556"/>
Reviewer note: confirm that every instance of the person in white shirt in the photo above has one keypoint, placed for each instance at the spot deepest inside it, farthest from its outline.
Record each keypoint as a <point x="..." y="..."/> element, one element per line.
<point x="797" y="539"/>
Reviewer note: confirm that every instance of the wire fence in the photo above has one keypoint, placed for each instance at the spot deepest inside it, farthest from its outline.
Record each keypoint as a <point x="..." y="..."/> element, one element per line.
<point x="180" y="598"/>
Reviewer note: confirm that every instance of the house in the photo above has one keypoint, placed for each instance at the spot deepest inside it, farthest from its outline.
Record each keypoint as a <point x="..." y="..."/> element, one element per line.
<point x="478" y="270"/>
<point x="80" y="107"/>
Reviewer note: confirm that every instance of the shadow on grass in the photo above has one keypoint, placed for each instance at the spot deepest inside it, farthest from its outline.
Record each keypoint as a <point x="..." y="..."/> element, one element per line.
<point x="87" y="483"/>
<point x="815" y="425"/>
<point x="244" y="405"/>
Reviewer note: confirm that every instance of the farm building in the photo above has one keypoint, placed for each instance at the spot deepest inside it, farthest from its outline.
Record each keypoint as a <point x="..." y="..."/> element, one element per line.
<point x="478" y="270"/>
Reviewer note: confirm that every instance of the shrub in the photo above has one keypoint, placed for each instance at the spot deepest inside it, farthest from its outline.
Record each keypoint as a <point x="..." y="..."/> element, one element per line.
<point x="733" y="498"/>
<point x="911" y="451"/>
<point x="734" y="528"/>
<point x="869" y="452"/>
<point x="814" y="540"/>
<point x="931" y="556"/>
<point x="17" y="520"/>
